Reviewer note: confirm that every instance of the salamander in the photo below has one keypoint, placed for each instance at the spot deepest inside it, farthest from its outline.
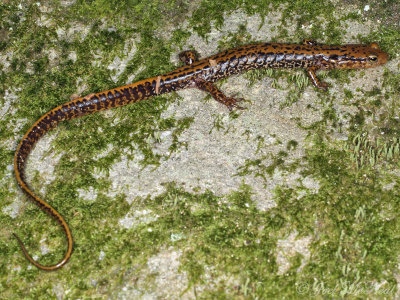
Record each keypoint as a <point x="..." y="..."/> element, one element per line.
<point x="199" y="74"/>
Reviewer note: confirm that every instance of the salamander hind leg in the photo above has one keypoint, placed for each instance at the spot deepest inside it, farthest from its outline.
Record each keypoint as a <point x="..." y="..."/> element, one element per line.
<point x="315" y="81"/>
<point x="188" y="57"/>
<point x="229" y="102"/>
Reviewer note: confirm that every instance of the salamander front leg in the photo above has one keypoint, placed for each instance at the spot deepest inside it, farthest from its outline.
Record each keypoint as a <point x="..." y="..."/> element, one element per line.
<point x="229" y="102"/>
<point x="309" y="42"/>
<point x="314" y="79"/>
<point x="188" y="57"/>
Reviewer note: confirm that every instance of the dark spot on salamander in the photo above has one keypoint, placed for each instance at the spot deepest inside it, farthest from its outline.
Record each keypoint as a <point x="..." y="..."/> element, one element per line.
<point x="334" y="57"/>
<point x="94" y="99"/>
<point x="45" y="120"/>
<point x="79" y="104"/>
<point x="260" y="59"/>
<point x="103" y="97"/>
<point x="233" y="61"/>
<point x="135" y="92"/>
<point x="149" y="87"/>
<point x="126" y="93"/>
<point x="59" y="114"/>
<point x="242" y="59"/>
<point x="65" y="108"/>
<point x="110" y="95"/>
<point x="141" y="89"/>
<point x="252" y="47"/>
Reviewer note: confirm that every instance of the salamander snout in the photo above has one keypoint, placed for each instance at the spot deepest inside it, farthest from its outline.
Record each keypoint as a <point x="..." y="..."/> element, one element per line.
<point x="376" y="56"/>
<point x="358" y="56"/>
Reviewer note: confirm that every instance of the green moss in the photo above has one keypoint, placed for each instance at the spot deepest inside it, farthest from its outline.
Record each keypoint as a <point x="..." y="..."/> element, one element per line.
<point x="357" y="252"/>
<point x="291" y="145"/>
<point x="235" y="39"/>
<point x="348" y="94"/>
<point x="229" y="246"/>
<point x="255" y="75"/>
<point x="367" y="151"/>
<point x="264" y="166"/>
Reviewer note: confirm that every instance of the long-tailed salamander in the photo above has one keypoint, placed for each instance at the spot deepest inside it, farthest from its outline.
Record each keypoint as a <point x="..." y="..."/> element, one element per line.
<point x="199" y="74"/>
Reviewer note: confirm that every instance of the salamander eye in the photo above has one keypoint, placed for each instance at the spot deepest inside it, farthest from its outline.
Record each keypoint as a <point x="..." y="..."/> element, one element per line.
<point x="373" y="57"/>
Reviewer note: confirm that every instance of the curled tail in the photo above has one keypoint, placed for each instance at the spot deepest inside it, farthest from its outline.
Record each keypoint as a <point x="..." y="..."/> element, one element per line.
<point x="78" y="107"/>
<point x="24" y="148"/>
<point x="44" y="124"/>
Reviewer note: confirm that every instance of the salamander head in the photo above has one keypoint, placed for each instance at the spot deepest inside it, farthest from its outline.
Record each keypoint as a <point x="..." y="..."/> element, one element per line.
<point x="357" y="56"/>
